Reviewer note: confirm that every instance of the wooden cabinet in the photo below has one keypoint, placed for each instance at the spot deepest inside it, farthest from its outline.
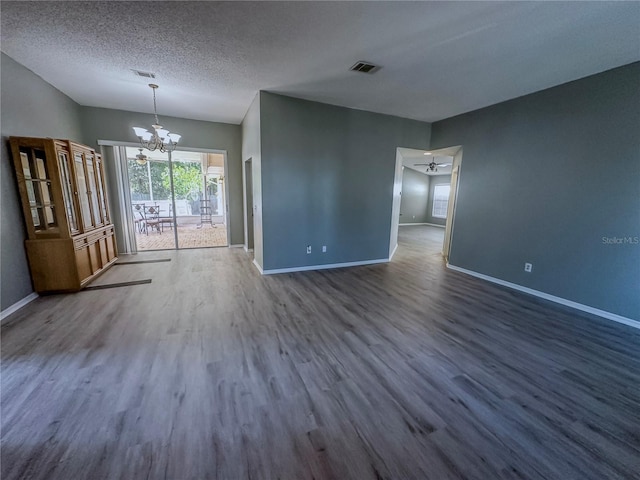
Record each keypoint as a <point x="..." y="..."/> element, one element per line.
<point x="70" y="235"/>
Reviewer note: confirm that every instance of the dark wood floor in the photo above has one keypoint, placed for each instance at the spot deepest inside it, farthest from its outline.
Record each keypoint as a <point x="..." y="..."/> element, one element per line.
<point x="393" y="371"/>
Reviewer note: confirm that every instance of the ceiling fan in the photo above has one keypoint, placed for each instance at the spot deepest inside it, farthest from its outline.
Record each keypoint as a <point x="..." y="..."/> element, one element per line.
<point x="432" y="166"/>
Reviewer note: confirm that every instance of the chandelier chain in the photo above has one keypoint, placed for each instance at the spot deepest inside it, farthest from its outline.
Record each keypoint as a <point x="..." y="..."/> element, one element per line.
<point x="155" y="109"/>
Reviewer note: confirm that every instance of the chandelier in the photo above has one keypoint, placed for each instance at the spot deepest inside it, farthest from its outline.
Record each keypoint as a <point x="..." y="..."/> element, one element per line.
<point x="159" y="139"/>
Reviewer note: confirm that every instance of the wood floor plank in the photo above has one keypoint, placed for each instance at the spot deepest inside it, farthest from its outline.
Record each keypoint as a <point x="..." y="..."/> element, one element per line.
<point x="404" y="370"/>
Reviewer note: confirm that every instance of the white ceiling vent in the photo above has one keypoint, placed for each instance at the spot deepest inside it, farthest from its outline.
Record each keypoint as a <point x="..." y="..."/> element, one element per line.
<point x="364" y="67"/>
<point x="140" y="73"/>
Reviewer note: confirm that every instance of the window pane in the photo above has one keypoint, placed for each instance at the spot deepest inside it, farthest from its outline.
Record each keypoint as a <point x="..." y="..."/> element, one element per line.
<point x="42" y="170"/>
<point x="31" y="193"/>
<point x="440" y="201"/>
<point x="35" y="218"/>
<point x="26" y="169"/>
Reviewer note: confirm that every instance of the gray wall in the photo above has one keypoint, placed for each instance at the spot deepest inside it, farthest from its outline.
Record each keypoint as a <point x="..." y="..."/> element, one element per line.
<point x="436" y="180"/>
<point x="415" y="192"/>
<point x="251" y="150"/>
<point x="116" y="125"/>
<point x="30" y="107"/>
<point x="327" y="179"/>
<point x="512" y="210"/>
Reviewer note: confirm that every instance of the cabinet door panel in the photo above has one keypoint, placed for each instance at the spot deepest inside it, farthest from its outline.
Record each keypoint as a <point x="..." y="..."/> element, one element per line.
<point x="102" y="190"/>
<point x="111" y="246"/>
<point x="94" y="254"/>
<point x="67" y="190"/>
<point x="83" y="263"/>
<point x="93" y="191"/>
<point x="104" y="254"/>
<point x="83" y="191"/>
<point x="38" y="189"/>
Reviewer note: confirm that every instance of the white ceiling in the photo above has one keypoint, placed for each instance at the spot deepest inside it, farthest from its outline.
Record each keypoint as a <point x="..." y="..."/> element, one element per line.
<point x="438" y="59"/>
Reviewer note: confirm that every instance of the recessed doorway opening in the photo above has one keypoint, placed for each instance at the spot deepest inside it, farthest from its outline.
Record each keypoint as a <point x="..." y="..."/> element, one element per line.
<point x="425" y="191"/>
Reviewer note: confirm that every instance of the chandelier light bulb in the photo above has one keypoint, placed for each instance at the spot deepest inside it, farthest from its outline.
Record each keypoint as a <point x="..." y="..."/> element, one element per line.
<point x="141" y="158"/>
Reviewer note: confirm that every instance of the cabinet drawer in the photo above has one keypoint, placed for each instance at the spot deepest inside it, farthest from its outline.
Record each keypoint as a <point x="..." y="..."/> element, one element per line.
<point x="93" y="237"/>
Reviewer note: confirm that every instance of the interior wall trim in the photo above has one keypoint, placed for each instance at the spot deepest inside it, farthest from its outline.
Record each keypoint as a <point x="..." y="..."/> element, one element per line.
<point x="552" y="298"/>
<point x="257" y="265"/>
<point x="237" y="245"/>
<point x="393" y="253"/>
<point x="17" y="306"/>
<point x="430" y="224"/>
<point x="324" y="266"/>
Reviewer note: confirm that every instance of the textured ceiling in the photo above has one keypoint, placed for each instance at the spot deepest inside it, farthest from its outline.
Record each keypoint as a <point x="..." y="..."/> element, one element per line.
<point x="438" y="59"/>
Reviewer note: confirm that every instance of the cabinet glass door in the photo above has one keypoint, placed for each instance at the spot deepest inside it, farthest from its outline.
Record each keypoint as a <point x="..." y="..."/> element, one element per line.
<point x="93" y="190"/>
<point x="38" y="186"/>
<point x="102" y="196"/>
<point x="67" y="190"/>
<point x="83" y="192"/>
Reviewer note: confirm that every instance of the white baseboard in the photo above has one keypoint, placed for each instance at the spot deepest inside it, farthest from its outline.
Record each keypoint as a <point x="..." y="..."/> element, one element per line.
<point x="412" y="224"/>
<point x="321" y="267"/>
<point x="17" y="306"/>
<point x="552" y="298"/>
<point x="258" y="267"/>
<point x="393" y="253"/>
<point x="237" y="245"/>
<point x="248" y="249"/>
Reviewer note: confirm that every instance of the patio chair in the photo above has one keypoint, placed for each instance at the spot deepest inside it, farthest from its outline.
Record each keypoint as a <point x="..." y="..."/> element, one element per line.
<point x="152" y="218"/>
<point x="167" y="220"/>
<point x="138" y="217"/>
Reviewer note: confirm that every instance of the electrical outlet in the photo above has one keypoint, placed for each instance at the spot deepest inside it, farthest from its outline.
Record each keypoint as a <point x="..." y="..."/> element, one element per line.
<point x="308" y="249"/>
<point x="324" y="249"/>
<point x="528" y="267"/>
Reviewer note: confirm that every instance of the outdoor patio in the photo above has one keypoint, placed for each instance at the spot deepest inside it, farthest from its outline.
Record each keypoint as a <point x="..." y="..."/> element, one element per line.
<point x="189" y="236"/>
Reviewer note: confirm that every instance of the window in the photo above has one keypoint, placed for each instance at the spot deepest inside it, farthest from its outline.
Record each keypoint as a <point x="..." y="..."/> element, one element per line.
<point x="440" y="201"/>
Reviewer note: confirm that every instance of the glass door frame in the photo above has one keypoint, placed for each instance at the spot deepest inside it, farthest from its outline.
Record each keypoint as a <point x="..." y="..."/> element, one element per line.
<point x="122" y="181"/>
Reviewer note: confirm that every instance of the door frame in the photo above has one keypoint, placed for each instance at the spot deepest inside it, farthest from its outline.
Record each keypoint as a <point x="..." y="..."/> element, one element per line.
<point x="245" y="202"/>
<point x="395" y="205"/>
<point x="451" y="206"/>
<point x="121" y="203"/>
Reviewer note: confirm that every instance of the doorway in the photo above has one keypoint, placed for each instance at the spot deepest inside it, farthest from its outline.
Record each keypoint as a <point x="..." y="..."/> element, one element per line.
<point x="178" y="199"/>
<point x="425" y="191"/>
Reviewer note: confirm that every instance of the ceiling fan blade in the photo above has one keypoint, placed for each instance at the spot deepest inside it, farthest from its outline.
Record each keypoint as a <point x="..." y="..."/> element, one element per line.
<point x="444" y="164"/>
<point x="420" y="164"/>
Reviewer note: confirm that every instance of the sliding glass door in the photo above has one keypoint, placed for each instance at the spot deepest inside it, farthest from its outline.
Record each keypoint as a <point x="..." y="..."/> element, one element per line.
<point x="177" y="199"/>
<point x="151" y="200"/>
